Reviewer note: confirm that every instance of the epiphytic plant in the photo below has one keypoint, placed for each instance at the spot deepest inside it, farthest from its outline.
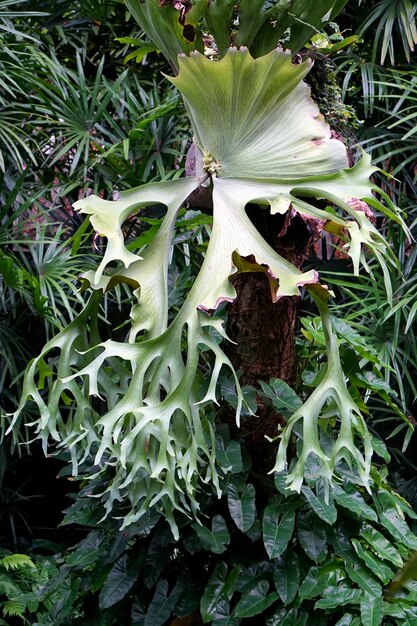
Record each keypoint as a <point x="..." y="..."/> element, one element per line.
<point x="139" y="405"/>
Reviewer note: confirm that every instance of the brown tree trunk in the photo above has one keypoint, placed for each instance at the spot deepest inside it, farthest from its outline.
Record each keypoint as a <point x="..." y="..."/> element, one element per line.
<point x="263" y="331"/>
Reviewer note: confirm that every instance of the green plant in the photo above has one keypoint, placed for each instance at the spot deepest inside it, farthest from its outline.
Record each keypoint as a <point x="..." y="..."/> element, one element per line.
<point x="183" y="523"/>
<point x="154" y="429"/>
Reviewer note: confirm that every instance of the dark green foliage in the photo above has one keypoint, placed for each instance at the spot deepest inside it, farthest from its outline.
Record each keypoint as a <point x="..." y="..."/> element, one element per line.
<point x="293" y="560"/>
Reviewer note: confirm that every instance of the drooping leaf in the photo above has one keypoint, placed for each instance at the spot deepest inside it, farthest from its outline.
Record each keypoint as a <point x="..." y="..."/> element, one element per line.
<point x="313" y="539"/>
<point x="336" y="597"/>
<point x="355" y="502"/>
<point x="376" y="565"/>
<point x="287" y="576"/>
<point x="89" y="550"/>
<point x="252" y="575"/>
<point x="277" y="530"/>
<point x="230" y="457"/>
<point x="255" y="601"/>
<point x="381" y="545"/>
<point x="119" y="582"/>
<point x="360" y="575"/>
<point x="316" y="581"/>
<point x="393" y="520"/>
<point x="213" y="591"/>
<point x="371" y="610"/>
<point x="161" y="23"/>
<point x="325" y="509"/>
<point x="284" y="399"/>
<point x="162" y="604"/>
<point x="215" y="539"/>
<point x="242" y="508"/>
<point x="407" y="573"/>
<point x="267" y="145"/>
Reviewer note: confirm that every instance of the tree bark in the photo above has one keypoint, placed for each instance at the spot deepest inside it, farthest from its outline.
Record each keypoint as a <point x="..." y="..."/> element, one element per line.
<point x="263" y="331"/>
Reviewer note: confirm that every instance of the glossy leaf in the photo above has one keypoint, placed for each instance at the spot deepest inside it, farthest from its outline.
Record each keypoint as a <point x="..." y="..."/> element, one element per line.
<point x="119" y="582"/>
<point x="277" y="530"/>
<point x="316" y="581"/>
<point x="371" y="610"/>
<point x="283" y="397"/>
<point x="252" y="575"/>
<point x="213" y="592"/>
<point x="360" y="575"/>
<point x="313" y="539"/>
<point x="230" y="457"/>
<point x="162" y="604"/>
<point x="336" y="597"/>
<point x="88" y="551"/>
<point x="215" y="539"/>
<point x="381" y="545"/>
<point x="222" y="615"/>
<point x="287" y="576"/>
<point x="242" y="508"/>
<point x="255" y="601"/>
<point x="394" y="522"/>
<point x="323" y="508"/>
<point x="354" y="502"/>
<point x="346" y="620"/>
<point x="375" y="564"/>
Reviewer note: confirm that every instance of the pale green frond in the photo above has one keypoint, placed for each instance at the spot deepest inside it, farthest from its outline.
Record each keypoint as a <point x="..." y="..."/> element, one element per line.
<point x="332" y="388"/>
<point x="16" y="561"/>
<point x="279" y="134"/>
<point x="266" y="145"/>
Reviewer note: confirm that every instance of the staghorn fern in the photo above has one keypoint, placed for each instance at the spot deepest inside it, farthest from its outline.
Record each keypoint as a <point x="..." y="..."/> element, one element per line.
<point x="266" y="144"/>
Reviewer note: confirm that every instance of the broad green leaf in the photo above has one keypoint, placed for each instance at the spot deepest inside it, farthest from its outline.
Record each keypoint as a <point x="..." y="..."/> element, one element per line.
<point x="394" y="609"/>
<point x="162" y="604"/>
<point x="216" y="539"/>
<point x="360" y="575"/>
<point x="376" y="565"/>
<point x="242" y="508"/>
<point x="394" y="522"/>
<point x="213" y="592"/>
<point x="339" y="539"/>
<point x="189" y="600"/>
<point x="220" y="129"/>
<point x="354" y="502"/>
<point x="138" y="613"/>
<point x="218" y="16"/>
<point x="336" y="597"/>
<point x="222" y="615"/>
<point x="89" y="550"/>
<point x="119" y="582"/>
<point x="231" y="582"/>
<point x="277" y="530"/>
<point x="285" y="617"/>
<point x="231" y="456"/>
<point x="284" y="399"/>
<point x="381" y="545"/>
<point x="313" y="539"/>
<point x="255" y="601"/>
<point x="371" y="610"/>
<point x="287" y="576"/>
<point x="252" y="575"/>
<point x="161" y="23"/>
<point x="322" y="506"/>
<point x="316" y="581"/>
